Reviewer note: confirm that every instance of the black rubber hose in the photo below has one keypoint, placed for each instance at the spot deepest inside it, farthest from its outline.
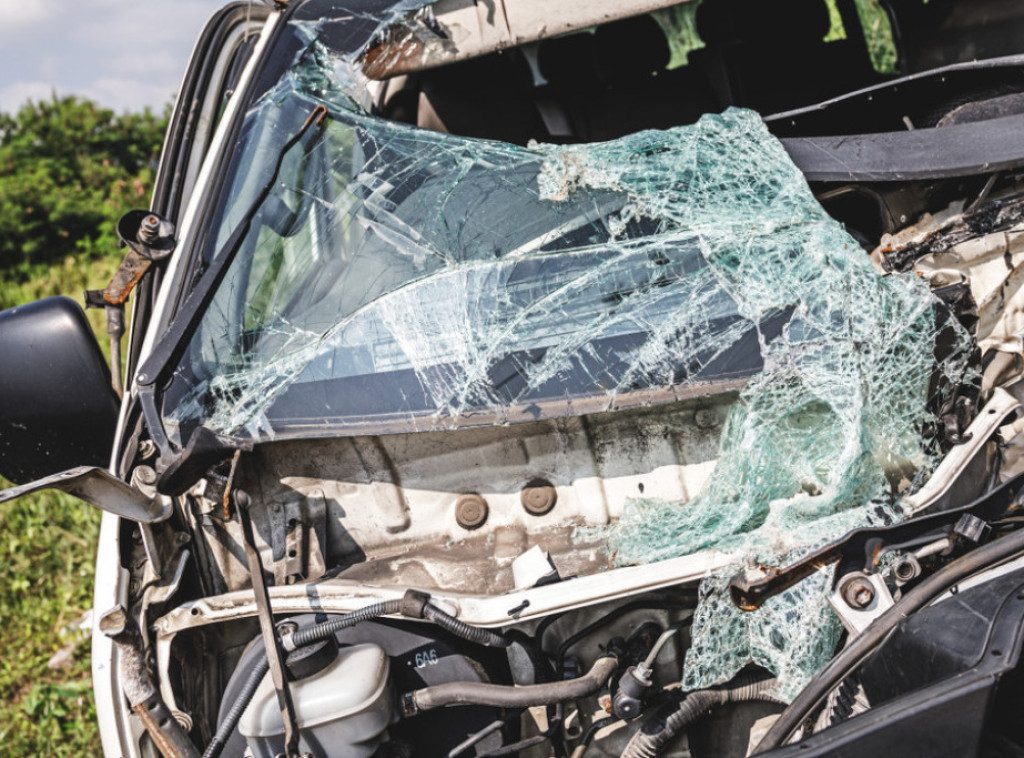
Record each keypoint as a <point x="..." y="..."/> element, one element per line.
<point x="462" y="629"/>
<point x="865" y="643"/>
<point x="231" y="718"/>
<point x="588" y="736"/>
<point x="655" y="735"/>
<point x="325" y="629"/>
<point x="503" y="696"/>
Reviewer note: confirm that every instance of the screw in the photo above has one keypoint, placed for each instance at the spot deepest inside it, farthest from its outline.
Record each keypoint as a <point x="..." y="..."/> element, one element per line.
<point x="149" y="229"/>
<point x="470" y="511"/>
<point x="858" y="593"/>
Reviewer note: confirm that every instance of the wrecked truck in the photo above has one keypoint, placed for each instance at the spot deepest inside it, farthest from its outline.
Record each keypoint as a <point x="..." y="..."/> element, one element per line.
<point x="509" y="378"/>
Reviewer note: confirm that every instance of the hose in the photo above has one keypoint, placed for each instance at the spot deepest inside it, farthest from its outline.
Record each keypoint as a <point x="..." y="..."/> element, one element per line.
<point x="414" y="604"/>
<point x="865" y="643"/>
<point x="588" y="736"/>
<point x="503" y="696"/>
<point x="231" y="718"/>
<point x="461" y="629"/>
<point x="323" y="630"/>
<point x="659" y="731"/>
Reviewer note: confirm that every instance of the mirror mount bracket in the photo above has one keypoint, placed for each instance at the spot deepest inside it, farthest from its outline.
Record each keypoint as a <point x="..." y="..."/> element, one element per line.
<point x="102" y="489"/>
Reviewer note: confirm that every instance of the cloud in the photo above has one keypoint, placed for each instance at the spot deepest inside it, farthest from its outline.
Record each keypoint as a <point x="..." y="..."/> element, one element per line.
<point x="125" y="55"/>
<point x="20" y="13"/>
<point x="13" y="96"/>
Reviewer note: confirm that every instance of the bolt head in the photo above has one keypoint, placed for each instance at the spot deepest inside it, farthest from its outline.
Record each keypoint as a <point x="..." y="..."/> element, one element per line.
<point x="471" y="511"/>
<point x="858" y="593"/>
<point x="146" y="475"/>
<point x="538" y="497"/>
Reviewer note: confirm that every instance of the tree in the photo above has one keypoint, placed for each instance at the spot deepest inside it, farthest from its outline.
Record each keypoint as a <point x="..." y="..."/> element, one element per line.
<point x="68" y="170"/>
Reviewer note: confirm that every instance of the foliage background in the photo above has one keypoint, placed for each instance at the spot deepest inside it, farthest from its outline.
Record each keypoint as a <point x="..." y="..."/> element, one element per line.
<point x="68" y="170"/>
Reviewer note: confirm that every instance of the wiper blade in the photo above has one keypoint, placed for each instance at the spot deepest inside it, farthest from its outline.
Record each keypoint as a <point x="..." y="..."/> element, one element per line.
<point x="168" y="351"/>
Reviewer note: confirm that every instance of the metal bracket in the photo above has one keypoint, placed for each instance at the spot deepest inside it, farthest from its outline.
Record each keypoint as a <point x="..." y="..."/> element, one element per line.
<point x="986" y="424"/>
<point x="102" y="489"/>
<point x="859" y="599"/>
<point x="859" y="549"/>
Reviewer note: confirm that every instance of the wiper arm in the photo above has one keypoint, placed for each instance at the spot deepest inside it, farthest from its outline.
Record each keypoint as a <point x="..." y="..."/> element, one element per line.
<point x="168" y="351"/>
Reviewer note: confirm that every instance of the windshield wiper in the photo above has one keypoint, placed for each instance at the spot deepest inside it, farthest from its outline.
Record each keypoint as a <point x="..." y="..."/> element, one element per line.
<point x="169" y="350"/>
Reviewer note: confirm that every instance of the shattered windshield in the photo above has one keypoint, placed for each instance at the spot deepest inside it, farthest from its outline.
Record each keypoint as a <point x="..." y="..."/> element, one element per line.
<point x="401" y="278"/>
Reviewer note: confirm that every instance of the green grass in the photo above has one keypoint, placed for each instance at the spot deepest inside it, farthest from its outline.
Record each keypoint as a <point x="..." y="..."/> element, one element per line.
<point x="46" y="575"/>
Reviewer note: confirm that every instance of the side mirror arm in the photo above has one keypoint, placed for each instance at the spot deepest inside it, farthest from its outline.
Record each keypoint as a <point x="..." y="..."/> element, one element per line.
<point x="102" y="489"/>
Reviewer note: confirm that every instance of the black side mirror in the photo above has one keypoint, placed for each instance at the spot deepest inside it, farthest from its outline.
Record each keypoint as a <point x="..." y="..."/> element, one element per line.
<point x="57" y="410"/>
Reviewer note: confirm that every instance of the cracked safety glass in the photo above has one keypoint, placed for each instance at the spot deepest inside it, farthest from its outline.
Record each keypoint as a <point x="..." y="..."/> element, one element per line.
<point x="398" y="278"/>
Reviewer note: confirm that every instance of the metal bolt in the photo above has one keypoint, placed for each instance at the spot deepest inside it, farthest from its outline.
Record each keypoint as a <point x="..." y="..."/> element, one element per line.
<point x="145" y="475"/>
<point x="147" y="449"/>
<point x="149" y="229"/>
<point x="858" y="593"/>
<point x="538" y="497"/>
<point x="470" y="511"/>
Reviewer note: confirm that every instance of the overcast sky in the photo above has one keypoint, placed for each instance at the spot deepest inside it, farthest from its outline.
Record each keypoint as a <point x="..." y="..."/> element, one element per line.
<point x="124" y="54"/>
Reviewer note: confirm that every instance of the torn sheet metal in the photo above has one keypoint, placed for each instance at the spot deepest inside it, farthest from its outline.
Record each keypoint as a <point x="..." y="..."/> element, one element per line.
<point x="407" y="279"/>
<point x="456" y="30"/>
<point x="982" y="247"/>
